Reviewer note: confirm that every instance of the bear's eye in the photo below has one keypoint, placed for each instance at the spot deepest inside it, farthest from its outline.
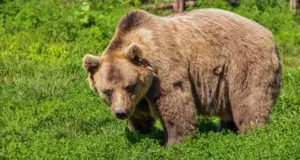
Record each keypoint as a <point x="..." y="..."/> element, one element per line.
<point x="130" y="88"/>
<point x="108" y="92"/>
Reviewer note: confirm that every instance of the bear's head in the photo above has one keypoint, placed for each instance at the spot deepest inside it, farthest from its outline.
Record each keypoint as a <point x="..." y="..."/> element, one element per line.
<point x="121" y="78"/>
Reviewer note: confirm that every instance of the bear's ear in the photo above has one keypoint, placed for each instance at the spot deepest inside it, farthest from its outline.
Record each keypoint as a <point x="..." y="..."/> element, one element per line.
<point x="134" y="53"/>
<point x="91" y="63"/>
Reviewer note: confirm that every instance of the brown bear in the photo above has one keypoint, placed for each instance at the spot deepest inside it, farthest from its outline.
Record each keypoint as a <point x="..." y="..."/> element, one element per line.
<point x="208" y="62"/>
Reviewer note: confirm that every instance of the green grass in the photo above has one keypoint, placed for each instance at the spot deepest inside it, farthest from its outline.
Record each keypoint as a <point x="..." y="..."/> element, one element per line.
<point x="50" y="112"/>
<point x="47" y="110"/>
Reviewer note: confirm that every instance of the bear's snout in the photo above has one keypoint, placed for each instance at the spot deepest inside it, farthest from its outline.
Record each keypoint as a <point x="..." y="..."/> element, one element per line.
<point x="121" y="113"/>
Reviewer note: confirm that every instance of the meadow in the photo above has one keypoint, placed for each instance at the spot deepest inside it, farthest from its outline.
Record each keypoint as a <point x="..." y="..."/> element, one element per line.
<point x="47" y="110"/>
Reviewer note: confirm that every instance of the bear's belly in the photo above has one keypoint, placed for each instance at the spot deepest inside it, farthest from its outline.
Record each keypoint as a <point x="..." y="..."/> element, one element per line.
<point x="209" y="88"/>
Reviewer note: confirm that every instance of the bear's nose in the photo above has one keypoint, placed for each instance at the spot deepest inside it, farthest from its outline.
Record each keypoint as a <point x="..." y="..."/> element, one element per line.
<point x="121" y="113"/>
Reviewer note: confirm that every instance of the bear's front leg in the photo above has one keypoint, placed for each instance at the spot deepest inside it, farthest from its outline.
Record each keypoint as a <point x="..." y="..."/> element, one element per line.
<point x="141" y="125"/>
<point x="141" y="121"/>
<point x="178" y="114"/>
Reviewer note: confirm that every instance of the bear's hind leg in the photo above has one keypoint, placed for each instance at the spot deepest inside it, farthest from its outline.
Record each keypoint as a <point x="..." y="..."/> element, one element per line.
<point x="254" y="86"/>
<point x="252" y="111"/>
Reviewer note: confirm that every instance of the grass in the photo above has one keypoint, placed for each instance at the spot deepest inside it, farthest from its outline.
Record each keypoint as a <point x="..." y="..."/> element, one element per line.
<point x="49" y="112"/>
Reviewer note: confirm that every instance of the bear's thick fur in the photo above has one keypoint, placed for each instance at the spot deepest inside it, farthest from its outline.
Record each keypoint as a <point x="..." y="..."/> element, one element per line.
<point x="208" y="62"/>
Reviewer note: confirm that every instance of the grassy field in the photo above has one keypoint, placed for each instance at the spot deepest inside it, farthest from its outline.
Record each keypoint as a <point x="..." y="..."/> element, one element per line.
<point x="49" y="112"/>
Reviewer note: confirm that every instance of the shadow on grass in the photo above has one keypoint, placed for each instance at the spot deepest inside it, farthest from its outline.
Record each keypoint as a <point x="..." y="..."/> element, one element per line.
<point x="204" y="126"/>
<point x="155" y="134"/>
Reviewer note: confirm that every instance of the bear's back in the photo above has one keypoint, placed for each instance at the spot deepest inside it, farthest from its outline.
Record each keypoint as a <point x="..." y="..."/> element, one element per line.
<point x="218" y="17"/>
<point x="213" y="31"/>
